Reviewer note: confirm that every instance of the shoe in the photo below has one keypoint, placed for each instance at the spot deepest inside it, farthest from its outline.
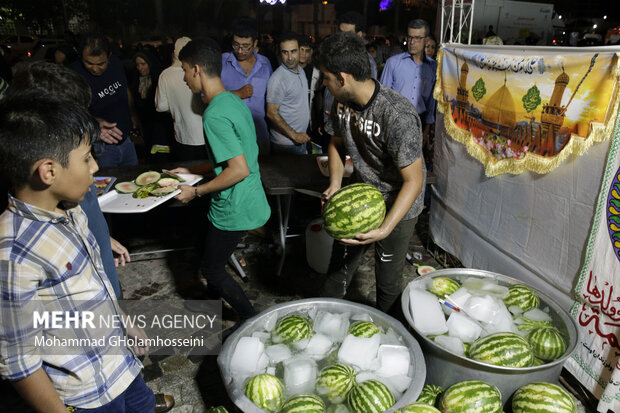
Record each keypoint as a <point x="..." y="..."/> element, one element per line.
<point x="163" y="403"/>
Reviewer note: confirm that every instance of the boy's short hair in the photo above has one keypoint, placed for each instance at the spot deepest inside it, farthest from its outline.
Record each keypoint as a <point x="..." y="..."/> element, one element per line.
<point x="245" y="27"/>
<point x="204" y="53"/>
<point x="345" y="52"/>
<point x="54" y="79"/>
<point x="306" y="41"/>
<point x="35" y="126"/>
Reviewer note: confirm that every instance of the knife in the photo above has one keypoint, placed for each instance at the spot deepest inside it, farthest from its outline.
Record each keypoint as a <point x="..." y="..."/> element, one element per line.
<point x="311" y="193"/>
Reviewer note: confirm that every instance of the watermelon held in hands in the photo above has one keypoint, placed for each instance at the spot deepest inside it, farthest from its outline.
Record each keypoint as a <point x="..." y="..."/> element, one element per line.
<point x="265" y="391"/>
<point x="471" y="396"/>
<point x="543" y="397"/>
<point x="354" y="209"/>
<point x="370" y="396"/>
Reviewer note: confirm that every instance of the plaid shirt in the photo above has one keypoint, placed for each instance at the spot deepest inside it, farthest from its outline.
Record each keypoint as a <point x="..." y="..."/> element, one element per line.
<point x="52" y="261"/>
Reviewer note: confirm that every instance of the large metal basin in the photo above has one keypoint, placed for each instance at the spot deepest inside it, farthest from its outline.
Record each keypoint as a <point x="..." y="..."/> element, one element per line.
<point x="417" y="368"/>
<point x="446" y="368"/>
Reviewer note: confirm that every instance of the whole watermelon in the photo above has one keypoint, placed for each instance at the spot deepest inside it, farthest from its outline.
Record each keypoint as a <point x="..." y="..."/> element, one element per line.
<point x="522" y="296"/>
<point x="303" y="403"/>
<point x="418" y="408"/>
<point x="265" y="391"/>
<point x="547" y="343"/>
<point x="370" y="396"/>
<point x="502" y="349"/>
<point x="542" y="397"/>
<point x="354" y="209"/>
<point x="429" y="394"/>
<point x="218" y="409"/>
<point x="335" y="382"/>
<point x="471" y="396"/>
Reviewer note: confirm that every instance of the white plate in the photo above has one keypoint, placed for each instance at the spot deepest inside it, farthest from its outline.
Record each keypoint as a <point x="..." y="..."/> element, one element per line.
<point x="117" y="203"/>
<point x="322" y="161"/>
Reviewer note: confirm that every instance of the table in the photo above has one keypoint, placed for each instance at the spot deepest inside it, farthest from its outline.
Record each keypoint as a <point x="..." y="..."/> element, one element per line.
<point x="281" y="174"/>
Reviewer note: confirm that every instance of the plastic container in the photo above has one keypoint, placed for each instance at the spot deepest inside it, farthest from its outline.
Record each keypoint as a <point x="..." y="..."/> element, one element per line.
<point x="318" y="246"/>
<point x="446" y="368"/>
<point x="417" y="367"/>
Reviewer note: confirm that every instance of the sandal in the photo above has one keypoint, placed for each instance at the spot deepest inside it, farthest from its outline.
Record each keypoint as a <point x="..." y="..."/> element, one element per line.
<point x="163" y="402"/>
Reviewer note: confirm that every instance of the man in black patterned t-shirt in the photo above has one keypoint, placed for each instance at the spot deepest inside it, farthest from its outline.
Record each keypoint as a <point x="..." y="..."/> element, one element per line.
<point x="381" y="131"/>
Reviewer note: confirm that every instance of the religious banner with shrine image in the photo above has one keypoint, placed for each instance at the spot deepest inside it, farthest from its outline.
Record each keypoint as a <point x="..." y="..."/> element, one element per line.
<point x="517" y="109"/>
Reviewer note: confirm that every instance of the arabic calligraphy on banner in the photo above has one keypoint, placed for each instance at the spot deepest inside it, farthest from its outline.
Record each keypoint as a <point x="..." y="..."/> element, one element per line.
<point x="527" y="109"/>
<point x="596" y="360"/>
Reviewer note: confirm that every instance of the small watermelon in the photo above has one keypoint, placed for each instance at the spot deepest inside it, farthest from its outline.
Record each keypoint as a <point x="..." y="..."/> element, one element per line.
<point x="443" y="286"/>
<point x="471" y="396"/>
<point x="334" y="382"/>
<point x="354" y="209"/>
<point x="547" y="343"/>
<point x="164" y="182"/>
<point x="169" y="174"/>
<point x="524" y="323"/>
<point x="542" y="397"/>
<point x="218" y="409"/>
<point x="303" y="403"/>
<point x="148" y="178"/>
<point x="365" y="329"/>
<point x="265" y="391"/>
<point x="502" y="349"/>
<point x="370" y="396"/>
<point x="418" y="408"/>
<point x="522" y="296"/>
<point x="162" y="191"/>
<point x="126" y="187"/>
<point x="292" y="328"/>
<point x="429" y="394"/>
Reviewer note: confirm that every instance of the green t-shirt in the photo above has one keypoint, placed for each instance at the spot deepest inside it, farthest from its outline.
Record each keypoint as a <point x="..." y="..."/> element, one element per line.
<point x="230" y="132"/>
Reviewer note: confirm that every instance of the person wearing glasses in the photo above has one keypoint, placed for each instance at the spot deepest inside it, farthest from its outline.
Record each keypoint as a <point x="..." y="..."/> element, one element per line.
<point x="413" y="74"/>
<point x="245" y="73"/>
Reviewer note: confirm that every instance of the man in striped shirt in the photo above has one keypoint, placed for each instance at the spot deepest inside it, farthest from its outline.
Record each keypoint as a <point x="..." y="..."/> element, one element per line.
<point x="50" y="261"/>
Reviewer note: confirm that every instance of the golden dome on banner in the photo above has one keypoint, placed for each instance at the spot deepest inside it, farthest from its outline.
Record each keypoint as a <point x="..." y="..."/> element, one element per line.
<point x="500" y="108"/>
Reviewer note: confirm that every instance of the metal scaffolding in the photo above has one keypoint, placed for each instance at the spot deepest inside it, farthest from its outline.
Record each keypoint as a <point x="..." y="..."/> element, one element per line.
<point x="456" y="21"/>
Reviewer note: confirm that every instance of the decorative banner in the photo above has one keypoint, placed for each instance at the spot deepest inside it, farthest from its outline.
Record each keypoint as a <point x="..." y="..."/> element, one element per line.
<point x="596" y="361"/>
<point x="521" y="109"/>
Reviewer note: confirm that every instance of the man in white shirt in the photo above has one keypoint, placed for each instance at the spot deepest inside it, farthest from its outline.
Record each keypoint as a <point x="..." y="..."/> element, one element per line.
<point x="186" y="109"/>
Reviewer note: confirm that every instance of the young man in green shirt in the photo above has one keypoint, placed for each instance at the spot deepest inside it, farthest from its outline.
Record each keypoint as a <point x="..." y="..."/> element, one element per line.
<point x="238" y="201"/>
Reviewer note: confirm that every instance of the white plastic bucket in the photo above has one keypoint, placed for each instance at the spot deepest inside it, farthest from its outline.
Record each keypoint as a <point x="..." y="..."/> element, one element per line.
<point x="318" y="246"/>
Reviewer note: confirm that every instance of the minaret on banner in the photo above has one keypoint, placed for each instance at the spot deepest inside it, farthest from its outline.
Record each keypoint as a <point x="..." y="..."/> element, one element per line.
<point x="552" y="116"/>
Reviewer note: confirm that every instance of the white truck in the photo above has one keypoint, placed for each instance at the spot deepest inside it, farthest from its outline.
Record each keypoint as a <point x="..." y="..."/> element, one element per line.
<point x="514" y="21"/>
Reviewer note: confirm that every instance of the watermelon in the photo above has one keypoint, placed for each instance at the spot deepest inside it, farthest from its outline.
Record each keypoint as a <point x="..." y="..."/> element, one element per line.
<point x="471" y="396"/>
<point x="443" y="286"/>
<point x="163" y="182"/>
<point x="162" y="191"/>
<point x="522" y="296"/>
<point x="547" y="343"/>
<point x="418" y="408"/>
<point x="524" y="323"/>
<point x="144" y="191"/>
<point x="292" y="328"/>
<point x="502" y="349"/>
<point x="303" y="403"/>
<point x="265" y="391"/>
<point x="370" y="396"/>
<point x="169" y="174"/>
<point x="541" y="397"/>
<point x="148" y="178"/>
<point x="334" y="382"/>
<point x="354" y="209"/>
<point x="429" y="394"/>
<point x="364" y="329"/>
<point x="218" y="409"/>
<point x="126" y="187"/>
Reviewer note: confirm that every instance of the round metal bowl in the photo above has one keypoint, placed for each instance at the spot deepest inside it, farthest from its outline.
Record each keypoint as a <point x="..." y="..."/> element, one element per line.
<point x="417" y="368"/>
<point x="446" y="368"/>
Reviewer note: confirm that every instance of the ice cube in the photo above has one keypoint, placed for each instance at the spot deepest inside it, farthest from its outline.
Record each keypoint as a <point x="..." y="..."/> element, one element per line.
<point x="245" y="358"/>
<point x="361" y="317"/>
<point x="459" y="297"/>
<point x="537" y="314"/>
<point x="398" y="384"/>
<point x="426" y="311"/>
<point x="263" y="336"/>
<point x="501" y="322"/>
<point x="462" y="326"/>
<point x="454" y="344"/>
<point x="299" y="375"/>
<point x="515" y="310"/>
<point x="335" y="326"/>
<point x="483" y="286"/>
<point x="318" y="346"/>
<point x="393" y="361"/>
<point x="312" y="313"/>
<point x="270" y="321"/>
<point x="278" y="353"/>
<point x="263" y="362"/>
<point x="359" y="351"/>
<point x="391" y="337"/>
<point x="481" y="308"/>
<point x="363" y="376"/>
<point x="271" y="370"/>
<point x="301" y="344"/>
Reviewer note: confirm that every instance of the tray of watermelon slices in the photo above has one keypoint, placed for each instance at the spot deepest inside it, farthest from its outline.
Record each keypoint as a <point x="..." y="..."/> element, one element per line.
<point x="149" y="190"/>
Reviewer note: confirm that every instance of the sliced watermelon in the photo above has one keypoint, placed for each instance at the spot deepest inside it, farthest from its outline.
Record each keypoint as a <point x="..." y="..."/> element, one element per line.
<point x="144" y="191"/>
<point x="126" y="187"/>
<point x="163" y="182"/>
<point x="170" y="174"/>
<point x="148" y="178"/>
<point x="162" y="191"/>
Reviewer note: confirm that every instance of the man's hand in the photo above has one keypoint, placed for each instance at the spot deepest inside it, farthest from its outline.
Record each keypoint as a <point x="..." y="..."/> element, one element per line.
<point x="367" y="238"/>
<point x="188" y="193"/>
<point x="121" y="254"/>
<point x="328" y="194"/>
<point x="137" y="334"/>
<point x="300" y="137"/>
<point x="245" y="92"/>
<point x="109" y="132"/>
